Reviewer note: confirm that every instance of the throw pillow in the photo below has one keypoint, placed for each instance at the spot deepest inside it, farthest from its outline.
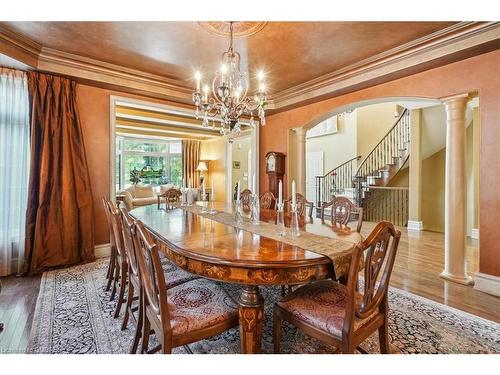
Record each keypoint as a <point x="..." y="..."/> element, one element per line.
<point x="143" y="191"/>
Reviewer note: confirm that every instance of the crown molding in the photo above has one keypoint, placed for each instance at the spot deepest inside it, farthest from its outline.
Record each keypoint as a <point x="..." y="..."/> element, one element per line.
<point x="80" y="67"/>
<point x="421" y="52"/>
<point x="458" y="41"/>
<point x="19" y="47"/>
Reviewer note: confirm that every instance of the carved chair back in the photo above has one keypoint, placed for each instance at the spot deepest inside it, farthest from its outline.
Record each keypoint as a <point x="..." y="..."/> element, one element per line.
<point x="246" y="198"/>
<point x="116" y="225"/>
<point x="172" y="195"/>
<point x="342" y="212"/>
<point x="151" y="273"/>
<point x="108" y="219"/>
<point x="379" y="252"/>
<point x="302" y="205"/>
<point x="267" y="200"/>
<point x="128" y="227"/>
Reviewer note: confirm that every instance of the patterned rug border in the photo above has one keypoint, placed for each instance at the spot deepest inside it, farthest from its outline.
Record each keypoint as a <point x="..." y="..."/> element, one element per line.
<point x="48" y="277"/>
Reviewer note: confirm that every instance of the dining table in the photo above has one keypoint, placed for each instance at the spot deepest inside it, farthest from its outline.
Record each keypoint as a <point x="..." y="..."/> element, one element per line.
<point x="216" y="246"/>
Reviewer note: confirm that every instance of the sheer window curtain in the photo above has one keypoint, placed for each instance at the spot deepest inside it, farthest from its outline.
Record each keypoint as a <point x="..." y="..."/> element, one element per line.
<point x="14" y="168"/>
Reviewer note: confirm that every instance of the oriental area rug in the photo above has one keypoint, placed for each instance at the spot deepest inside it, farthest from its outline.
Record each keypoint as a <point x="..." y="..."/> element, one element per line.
<point x="74" y="315"/>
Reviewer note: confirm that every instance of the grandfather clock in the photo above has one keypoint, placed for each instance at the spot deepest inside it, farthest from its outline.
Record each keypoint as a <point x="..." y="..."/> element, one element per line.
<point x="275" y="169"/>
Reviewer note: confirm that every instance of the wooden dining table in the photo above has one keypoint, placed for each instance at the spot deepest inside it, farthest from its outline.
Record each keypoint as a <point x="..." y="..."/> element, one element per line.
<point x="204" y="246"/>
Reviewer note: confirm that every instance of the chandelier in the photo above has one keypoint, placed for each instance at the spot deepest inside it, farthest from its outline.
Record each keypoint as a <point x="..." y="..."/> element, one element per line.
<point x="227" y="100"/>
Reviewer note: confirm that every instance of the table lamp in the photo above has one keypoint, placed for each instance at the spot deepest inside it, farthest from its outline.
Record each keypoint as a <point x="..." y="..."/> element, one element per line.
<point x="202" y="168"/>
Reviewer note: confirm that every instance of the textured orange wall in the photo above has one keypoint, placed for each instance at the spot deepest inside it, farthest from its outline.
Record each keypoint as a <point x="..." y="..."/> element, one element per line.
<point x="93" y="108"/>
<point x="480" y="73"/>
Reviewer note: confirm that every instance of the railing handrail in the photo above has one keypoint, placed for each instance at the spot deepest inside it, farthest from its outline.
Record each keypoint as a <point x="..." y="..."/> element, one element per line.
<point x="381" y="140"/>
<point x="374" y="187"/>
<point x="340" y="166"/>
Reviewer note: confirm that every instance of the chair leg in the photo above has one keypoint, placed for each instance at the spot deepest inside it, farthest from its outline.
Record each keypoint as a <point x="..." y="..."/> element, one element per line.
<point x="383" y="338"/>
<point x="138" y="328"/>
<point x="348" y="348"/>
<point x="111" y="269"/>
<point x="121" y="294"/>
<point x="128" y="306"/>
<point x="146" y="327"/>
<point x="166" y="348"/>
<point x="277" y="332"/>
<point x="116" y="279"/>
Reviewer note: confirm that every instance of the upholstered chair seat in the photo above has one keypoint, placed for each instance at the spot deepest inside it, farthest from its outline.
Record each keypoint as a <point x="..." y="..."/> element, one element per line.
<point x="322" y="305"/>
<point x="197" y="305"/>
<point x="345" y="315"/>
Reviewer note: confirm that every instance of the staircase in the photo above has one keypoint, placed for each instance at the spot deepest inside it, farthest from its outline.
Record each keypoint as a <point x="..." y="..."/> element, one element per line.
<point x="377" y="170"/>
<point x="367" y="185"/>
<point x="337" y="182"/>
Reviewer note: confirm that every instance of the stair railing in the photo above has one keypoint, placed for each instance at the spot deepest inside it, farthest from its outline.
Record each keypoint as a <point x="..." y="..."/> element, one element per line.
<point x="390" y="147"/>
<point x="336" y="181"/>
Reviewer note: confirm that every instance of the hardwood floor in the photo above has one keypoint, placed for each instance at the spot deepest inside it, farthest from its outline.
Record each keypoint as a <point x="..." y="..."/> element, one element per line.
<point x="17" y="307"/>
<point x="418" y="264"/>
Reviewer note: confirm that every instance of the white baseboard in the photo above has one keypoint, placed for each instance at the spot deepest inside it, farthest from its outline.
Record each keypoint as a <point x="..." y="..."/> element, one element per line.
<point x="474" y="233"/>
<point x="415" y="225"/>
<point x="102" y="251"/>
<point x="487" y="283"/>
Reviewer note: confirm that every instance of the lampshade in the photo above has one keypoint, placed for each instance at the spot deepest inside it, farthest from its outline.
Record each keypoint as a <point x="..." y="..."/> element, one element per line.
<point x="202" y="166"/>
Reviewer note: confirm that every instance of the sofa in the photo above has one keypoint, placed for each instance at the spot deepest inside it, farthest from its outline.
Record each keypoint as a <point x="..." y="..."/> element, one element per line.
<point x="143" y="195"/>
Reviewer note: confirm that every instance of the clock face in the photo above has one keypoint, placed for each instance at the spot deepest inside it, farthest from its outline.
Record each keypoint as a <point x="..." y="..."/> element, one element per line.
<point x="271" y="164"/>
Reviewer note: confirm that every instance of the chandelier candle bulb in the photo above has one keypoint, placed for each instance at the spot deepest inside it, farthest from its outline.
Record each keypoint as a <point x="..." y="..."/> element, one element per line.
<point x="293" y="193"/>
<point x="205" y="93"/>
<point x="198" y="80"/>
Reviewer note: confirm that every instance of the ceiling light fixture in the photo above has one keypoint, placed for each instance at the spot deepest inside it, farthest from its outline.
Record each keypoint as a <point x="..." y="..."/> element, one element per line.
<point x="227" y="101"/>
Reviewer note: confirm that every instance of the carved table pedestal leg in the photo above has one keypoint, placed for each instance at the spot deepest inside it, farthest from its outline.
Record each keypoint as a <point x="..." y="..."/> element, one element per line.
<point x="251" y="315"/>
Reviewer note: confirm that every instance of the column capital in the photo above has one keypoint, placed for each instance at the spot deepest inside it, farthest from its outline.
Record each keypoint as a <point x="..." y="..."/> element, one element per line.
<point x="455" y="99"/>
<point x="301" y="132"/>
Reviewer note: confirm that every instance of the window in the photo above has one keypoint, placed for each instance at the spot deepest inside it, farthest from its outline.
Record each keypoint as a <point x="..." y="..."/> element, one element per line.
<point x="147" y="162"/>
<point x="14" y="168"/>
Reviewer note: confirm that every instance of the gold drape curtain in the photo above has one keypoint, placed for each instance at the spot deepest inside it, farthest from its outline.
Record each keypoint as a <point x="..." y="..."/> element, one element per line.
<point x="190" y="158"/>
<point x="59" y="224"/>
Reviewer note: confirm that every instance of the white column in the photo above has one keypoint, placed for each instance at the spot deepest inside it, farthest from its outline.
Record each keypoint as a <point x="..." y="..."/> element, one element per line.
<point x="455" y="191"/>
<point x="300" y="134"/>
<point x="415" y="173"/>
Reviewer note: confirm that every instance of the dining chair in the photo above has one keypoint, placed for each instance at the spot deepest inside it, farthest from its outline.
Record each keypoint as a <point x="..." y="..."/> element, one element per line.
<point x="267" y="200"/>
<point x="246" y="199"/>
<point x="344" y="316"/>
<point x="121" y="264"/>
<point x="342" y="212"/>
<point x="171" y="196"/>
<point x="134" y="286"/>
<point x="189" y="312"/>
<point x="302" y="205"/>
<point x="175" y="276"/>
<point x="112" y="258"/>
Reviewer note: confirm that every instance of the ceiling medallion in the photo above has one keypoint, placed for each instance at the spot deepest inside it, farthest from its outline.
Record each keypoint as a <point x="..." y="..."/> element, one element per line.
<point x="226" y="101"/>
<point x="240" y="28"/>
